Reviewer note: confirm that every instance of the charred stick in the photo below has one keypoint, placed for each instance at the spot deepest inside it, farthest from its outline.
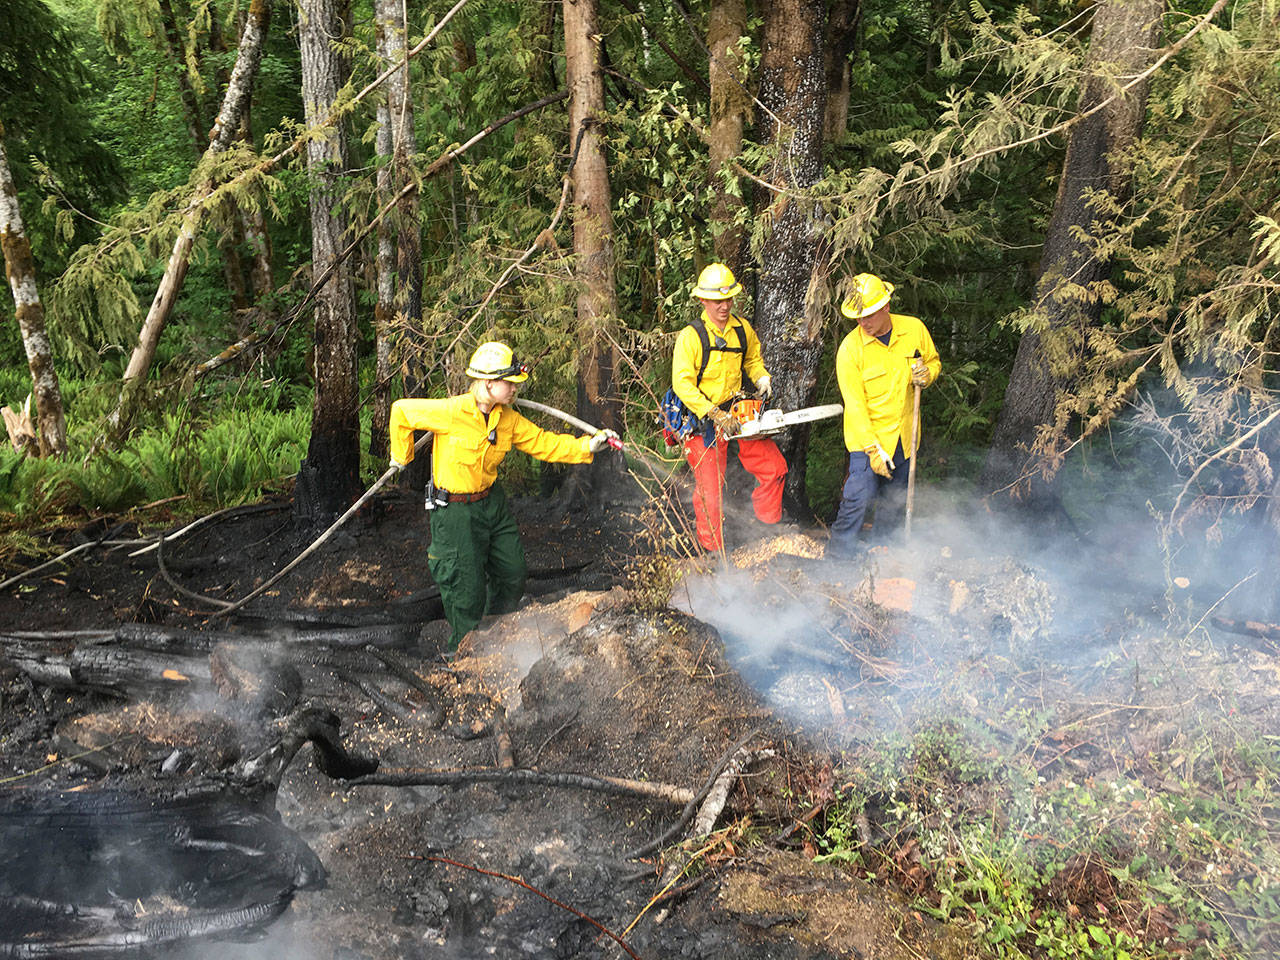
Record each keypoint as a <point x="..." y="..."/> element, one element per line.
<point x="502" y="740"/>
<point x="617" y="786"/>
<point x="707" y="815"/>
<point x="532" y="889"/>
<point x="383" y="702"/>
<point x="412" y="679"/>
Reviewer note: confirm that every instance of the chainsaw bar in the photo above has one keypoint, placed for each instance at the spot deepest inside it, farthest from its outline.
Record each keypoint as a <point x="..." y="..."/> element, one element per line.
<point x="775" y="421"/>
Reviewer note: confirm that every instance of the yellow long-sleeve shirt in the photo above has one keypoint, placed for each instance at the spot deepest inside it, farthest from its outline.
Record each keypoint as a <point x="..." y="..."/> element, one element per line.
<point x="723" y="377"/>
<point x="463" y="458"/>
<point x="875" y="383"/>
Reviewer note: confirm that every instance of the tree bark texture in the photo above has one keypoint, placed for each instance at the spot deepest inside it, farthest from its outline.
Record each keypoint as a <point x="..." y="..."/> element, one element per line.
<point x="792" y="88"/>
<point x="399" y="303"/>
<point x="842" y="32"/>
<point x="592" y="218"/>
<point x="328" y="479"/>
<point x="234" y="103"/>
<point x="1071" y="267"/>
<point x="21" y="271"/>
<point x="730" y="105"/>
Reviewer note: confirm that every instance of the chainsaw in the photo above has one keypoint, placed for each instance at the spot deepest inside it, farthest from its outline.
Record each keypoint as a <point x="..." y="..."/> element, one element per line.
<point x="769" y="422"/>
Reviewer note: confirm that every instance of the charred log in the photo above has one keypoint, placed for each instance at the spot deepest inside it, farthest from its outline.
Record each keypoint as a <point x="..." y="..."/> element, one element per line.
<point x="107" y="872"/>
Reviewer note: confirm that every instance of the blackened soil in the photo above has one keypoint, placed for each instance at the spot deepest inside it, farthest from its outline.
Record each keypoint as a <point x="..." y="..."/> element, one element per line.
<point x="578" y="681"/>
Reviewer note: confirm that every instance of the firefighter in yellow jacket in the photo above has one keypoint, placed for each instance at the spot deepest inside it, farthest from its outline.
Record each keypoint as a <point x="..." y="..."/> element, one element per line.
<point x="476" y="556"/>
<point x="711" y="356"/>
<point x="878" y="365"/>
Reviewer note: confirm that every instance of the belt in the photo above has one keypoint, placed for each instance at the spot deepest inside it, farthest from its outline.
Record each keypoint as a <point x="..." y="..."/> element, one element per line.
<point x="464" y="497"/>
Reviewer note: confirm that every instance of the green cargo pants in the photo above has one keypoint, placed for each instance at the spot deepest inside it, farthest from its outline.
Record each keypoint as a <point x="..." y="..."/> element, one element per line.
<point x="477" y="560"/>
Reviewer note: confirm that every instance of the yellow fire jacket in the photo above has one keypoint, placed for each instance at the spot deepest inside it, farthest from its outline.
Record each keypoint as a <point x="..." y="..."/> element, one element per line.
<point x="723" y="377"/>
<point x="875" y="382"/>
<point x="464" y="459"/>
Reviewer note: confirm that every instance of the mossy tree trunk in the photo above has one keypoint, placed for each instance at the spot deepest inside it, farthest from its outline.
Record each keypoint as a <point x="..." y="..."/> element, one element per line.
<point x="21" y="270"/>
<point x="234" y="103"/>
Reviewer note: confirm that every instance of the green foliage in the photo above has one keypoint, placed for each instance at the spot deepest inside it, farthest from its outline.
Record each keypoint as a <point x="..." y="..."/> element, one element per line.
<point x="1027" y="869"/>
<point x="222" y="456"/>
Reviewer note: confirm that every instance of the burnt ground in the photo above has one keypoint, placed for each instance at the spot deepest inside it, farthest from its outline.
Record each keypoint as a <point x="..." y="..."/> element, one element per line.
<point x="776" y="650"/>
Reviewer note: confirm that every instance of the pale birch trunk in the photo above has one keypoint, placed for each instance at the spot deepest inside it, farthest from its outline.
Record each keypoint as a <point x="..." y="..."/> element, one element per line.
<point x="592" y="218"/>
<point x="328" y="479"/>
<point x="234" y="103"/>
<point x="21" y="271"/>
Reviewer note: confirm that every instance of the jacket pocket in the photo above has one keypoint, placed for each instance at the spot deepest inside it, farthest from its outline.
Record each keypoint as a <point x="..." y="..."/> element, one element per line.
<point x="876" y="382"/>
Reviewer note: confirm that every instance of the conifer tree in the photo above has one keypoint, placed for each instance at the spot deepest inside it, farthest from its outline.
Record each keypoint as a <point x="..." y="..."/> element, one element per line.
<point x="328" y="479"/>
<point x="1076" y="262"/>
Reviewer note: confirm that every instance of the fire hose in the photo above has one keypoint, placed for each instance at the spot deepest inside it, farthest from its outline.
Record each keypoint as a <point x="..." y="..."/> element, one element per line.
<point x="567" y="418"/>
<point x="391" y="471"/>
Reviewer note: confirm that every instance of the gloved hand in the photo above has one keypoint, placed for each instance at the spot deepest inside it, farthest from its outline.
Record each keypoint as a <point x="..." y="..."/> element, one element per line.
<point x="919" y="373"/>
<point x="881" y="465"/>
<point x="600" y="439"/>
<point x="396" y="464"/>
<point x="764" y="387"/>
<point x="726" y="424"/>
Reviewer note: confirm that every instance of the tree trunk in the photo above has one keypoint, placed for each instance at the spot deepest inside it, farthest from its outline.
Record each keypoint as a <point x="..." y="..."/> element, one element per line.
<point x="842" y="31"/>
<point x="592" y="218"/>
<point x="388" y="27"/>
<point x="234" y="102"/>
<point x="730" y="103"/>
<point x="397" y="261"/>
<point x="792" y="87"/>
<point x="21" y="270"/>
<point x="1071" y="268"/>
<point x="329" y="477"/>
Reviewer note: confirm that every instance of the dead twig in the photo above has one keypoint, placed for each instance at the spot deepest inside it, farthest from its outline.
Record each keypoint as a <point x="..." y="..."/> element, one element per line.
<point x="532" y="889"/>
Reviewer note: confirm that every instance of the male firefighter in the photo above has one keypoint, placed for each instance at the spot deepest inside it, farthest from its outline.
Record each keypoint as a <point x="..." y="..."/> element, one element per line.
<point x="878" y="366"/>
<point x="711" y="355"/>
<point x="475" y="555"/>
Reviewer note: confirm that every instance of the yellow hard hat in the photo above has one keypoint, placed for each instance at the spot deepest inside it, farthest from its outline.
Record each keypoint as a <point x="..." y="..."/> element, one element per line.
<point x="869" y="294"/>
<point x="716" y="282"/>
<point x="495" y="361"/>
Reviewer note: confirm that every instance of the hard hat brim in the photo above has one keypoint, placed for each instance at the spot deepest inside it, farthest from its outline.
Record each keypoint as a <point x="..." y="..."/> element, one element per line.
<point x="716" y="293"/>
<point x="475" y="374"/>
<point x="850" y="307"/>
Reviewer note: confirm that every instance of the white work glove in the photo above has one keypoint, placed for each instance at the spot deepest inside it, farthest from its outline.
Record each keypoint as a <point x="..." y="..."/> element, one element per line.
<point x="725" y="422"/>
<point x="764" y="387"/>
<point x="919" y="373"/>
<point x="600" y="439"/>
<point x="881" y="465"/>
<point x="396" y="464"/>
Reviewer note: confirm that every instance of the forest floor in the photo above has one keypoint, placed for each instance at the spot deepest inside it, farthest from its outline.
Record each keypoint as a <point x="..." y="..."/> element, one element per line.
<point x="812" y="663"/>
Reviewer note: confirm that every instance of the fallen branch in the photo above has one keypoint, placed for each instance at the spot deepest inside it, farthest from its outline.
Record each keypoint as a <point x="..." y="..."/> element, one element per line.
<point x="1269" y="633"/>
<point x="413" y="680"/>
<point x="710" y="811"/>
<point x="617" y="786"/>
<point x="687" y="814"/>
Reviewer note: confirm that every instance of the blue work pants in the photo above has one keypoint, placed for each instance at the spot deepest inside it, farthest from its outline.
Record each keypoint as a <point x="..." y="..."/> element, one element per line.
<point x="863" y="487"/>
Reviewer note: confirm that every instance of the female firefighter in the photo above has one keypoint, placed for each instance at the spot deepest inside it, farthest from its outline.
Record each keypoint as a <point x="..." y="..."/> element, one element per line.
<point x="476" y="556"/>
